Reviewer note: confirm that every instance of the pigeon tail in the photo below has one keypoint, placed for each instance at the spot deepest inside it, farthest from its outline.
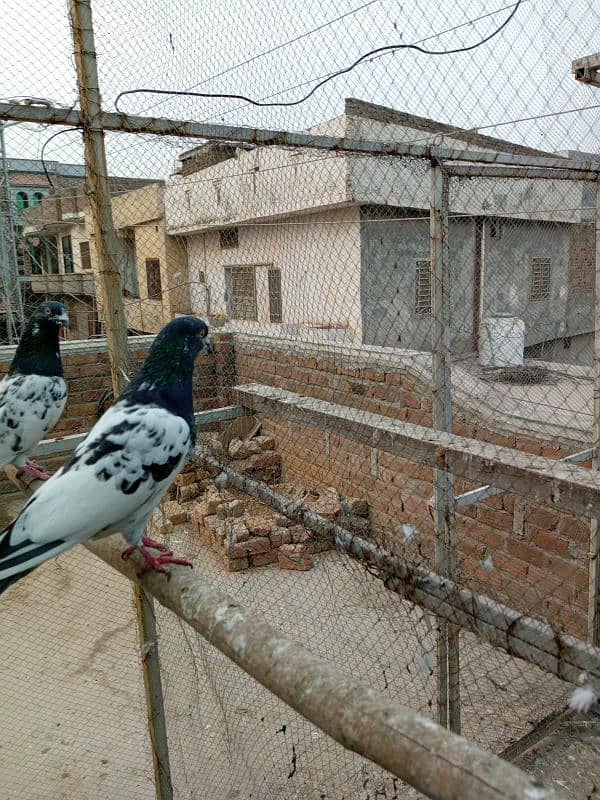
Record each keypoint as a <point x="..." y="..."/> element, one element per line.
<point x="18" y="560"/>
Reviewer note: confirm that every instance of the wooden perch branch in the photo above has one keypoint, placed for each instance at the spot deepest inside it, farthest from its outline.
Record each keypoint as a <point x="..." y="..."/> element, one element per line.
<point x="414" y="748"/>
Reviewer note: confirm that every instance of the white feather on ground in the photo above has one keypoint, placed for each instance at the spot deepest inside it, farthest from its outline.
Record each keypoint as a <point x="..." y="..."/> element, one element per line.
<point x="583" y="698"/>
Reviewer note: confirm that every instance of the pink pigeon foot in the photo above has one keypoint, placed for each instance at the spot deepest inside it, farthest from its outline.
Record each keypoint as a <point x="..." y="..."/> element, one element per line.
<point x="148" y="542"/>
<point x="155" y="562"/>
<point x="162" y="548"/>
<point x="34" y="469"/>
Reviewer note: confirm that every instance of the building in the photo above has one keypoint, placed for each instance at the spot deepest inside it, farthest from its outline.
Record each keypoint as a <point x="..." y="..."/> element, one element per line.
<point x="61" y="259"/>
<point x="337" y="243"/>
<point x="56" y="255"/>
<point x="154" y="265"/>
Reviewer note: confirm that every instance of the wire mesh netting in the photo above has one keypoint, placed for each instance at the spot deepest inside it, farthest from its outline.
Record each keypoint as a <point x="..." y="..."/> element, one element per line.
<point x="314" y="264"/>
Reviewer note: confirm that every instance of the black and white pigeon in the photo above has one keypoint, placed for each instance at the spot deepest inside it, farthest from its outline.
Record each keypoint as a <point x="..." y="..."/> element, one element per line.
<point x="33" y="393"/>
<point x="119" y="473"/>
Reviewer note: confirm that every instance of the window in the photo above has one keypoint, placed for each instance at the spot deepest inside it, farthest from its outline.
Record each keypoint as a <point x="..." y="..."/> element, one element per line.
<point x="153" y="279"/>
<point x="67" y="249"/>
<point x="423" y="287"/>
<point x="240" y="284"/>
<point x="130" y="273"/>
<point x="229" y="238"/>
<point x="540" y="279"/>
<point x="275" y="309"/>
<point x="84" y="252"/>
<point x="21" y="201"/>
<point x="36" y="199"/>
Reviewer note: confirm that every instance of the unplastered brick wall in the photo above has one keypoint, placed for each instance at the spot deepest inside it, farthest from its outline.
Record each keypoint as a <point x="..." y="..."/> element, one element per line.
<point x="87" y="372"/>
<point x="530" y="556"/>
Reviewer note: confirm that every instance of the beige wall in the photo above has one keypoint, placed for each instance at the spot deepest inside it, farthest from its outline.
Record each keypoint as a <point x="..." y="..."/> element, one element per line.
<point x="140" y="212"/>
<point x="319" y="259"/>
<point x="265" y="182"/>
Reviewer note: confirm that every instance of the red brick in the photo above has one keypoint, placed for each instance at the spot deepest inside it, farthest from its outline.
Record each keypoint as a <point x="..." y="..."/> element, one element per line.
<point x="548" y="541"/>
<point x="528" y="553"/>
<point x="573" y="528"/>
<point x="495" y="519"/>
<point x="499" y="439"/>
<point x="263" y="559"/>
<point x="529" y="446"/>
<point x="552" y="452"/>
<point x="250" y="547"/>
<point x="508" y="563"/>
<point x="544" y="518"/>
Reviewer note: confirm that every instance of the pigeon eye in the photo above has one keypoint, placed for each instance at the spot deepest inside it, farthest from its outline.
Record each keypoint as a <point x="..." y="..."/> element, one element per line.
<point x="47" y="312"/>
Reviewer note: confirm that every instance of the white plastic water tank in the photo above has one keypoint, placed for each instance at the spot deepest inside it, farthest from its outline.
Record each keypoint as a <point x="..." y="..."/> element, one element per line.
<point x="501" y="341"/>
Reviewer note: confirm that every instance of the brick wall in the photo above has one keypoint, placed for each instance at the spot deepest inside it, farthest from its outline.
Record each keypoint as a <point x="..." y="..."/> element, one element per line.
<point x="538" y="554"/>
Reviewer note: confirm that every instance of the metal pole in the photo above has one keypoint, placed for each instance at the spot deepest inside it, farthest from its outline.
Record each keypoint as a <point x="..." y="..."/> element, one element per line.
<point x="8" y="251"/>
<point x="110" y="254"/>
<point x="108" y="246"/>
<point x="445" y="525"/>
<point x="594" y="552"/>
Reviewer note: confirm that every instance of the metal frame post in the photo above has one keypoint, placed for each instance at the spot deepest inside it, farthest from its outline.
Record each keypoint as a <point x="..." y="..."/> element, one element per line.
<point x="8" y="251"/>
<point x="445" y="523"/>
<point x="109" y="253"/>
<point x="594" y="550"/>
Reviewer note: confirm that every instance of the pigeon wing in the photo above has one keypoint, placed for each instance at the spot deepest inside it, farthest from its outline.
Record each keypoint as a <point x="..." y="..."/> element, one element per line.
<point x="112" y="483"/>
<point x="30" y="406"/>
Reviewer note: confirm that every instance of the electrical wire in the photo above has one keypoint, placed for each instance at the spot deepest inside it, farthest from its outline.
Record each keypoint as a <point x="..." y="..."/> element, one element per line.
<point x="377" y="51"/>
<point x="45" y="145"/>
<point x="271" y="50"/>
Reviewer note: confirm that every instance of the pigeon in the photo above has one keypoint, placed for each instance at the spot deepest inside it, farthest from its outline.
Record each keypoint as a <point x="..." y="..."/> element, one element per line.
<point x="117" y="476"/>
<point x="33" y="393"/>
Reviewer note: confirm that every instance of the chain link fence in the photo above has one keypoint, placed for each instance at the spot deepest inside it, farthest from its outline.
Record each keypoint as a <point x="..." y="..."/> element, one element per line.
<point x="396" y="270"/>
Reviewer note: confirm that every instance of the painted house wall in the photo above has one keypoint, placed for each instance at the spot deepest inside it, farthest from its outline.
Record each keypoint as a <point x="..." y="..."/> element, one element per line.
<point x="319" y="259"/>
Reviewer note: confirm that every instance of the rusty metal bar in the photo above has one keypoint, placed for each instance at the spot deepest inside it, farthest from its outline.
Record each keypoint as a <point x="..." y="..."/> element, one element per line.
<point x="522" y="173"/>
<point x="432" y="759"/>
<point x="594" y="547"/>
<point x="448" y="662"/>
<point x="128" y="123"/>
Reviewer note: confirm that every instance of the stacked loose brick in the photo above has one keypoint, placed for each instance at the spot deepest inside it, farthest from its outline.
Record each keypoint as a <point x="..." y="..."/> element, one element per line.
<point x="253" y="541"/>
<point x="247" y="539"/>
<point x="530" y="556"/>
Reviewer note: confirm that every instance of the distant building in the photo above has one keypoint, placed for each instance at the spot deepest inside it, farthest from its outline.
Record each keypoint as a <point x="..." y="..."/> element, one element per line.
<point x="154" y="267"/>
<point x="57" y="255"/>
<point x="337" y="244"/>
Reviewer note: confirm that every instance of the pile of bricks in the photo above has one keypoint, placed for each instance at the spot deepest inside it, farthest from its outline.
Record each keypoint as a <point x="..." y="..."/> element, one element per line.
<point x="250" y="540"/>
<point x="256" y="457"/>
<point x="255" y="541"/>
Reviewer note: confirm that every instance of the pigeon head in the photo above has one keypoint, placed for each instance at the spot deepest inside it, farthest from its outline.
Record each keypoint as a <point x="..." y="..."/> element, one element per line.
<point x="175" y="349"/>
<point x="50" y="313"/>
<point x="38" y="352"/>
<point x="166" y="375"/>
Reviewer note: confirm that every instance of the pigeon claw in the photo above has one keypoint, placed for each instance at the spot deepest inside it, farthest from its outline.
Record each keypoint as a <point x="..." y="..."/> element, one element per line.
<point x="158" y="563"/>
<point x="148" y="542"/>
<point x="34" y="469"/>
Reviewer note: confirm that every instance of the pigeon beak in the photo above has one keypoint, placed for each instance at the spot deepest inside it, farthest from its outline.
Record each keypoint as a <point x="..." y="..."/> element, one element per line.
<point x="209" y="344"/>
<point x="63" y="320"/>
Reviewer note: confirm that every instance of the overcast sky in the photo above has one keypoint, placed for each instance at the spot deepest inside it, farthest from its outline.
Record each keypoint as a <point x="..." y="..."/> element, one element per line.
<point x="180" y="44"/>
